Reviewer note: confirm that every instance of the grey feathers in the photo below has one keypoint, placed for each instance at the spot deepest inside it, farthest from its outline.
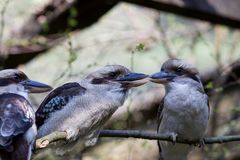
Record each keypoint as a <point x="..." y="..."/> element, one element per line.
<point x="184" y="110"/>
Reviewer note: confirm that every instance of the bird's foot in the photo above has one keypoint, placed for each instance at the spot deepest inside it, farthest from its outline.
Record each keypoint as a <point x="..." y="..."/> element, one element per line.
<point x="201" y="143"/>
<point x="173" y="136"/>
<point x="91" y="142"/>
<point x="72" y="134"/>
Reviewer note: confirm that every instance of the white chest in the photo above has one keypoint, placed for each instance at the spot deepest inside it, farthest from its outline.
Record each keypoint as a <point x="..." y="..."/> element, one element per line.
<point x="185" y="112"/>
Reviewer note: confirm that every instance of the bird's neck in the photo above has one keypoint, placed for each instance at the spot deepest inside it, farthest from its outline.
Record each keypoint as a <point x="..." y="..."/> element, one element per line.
<point x="14" y="89"/>
<point x="184" y="84"/>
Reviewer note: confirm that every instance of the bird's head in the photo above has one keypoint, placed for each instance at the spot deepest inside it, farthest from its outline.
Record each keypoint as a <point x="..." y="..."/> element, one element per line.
<point x="116" y="78"/>
<point x="176" y="70"/>
<point x="14" y="81"/>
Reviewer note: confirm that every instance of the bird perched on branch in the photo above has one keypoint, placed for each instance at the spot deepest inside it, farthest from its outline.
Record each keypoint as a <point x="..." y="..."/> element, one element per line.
<point x="81" y="108"/>
<point x="184" y="111"/>
<point x="17" y="118"/>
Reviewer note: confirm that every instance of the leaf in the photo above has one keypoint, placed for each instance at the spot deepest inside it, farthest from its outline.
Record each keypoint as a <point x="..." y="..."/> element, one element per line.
<point x="209" y="85"/>
<point x="140" y="47"/>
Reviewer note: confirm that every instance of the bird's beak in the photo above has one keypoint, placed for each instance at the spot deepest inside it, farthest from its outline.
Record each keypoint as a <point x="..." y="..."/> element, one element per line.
<point x="35" y="87"/>
<point x="133" y="79"/>
<point x="162" y="77"/>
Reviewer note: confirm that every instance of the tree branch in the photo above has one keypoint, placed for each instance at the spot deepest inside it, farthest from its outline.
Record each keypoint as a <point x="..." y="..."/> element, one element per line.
<point x="56" y="136"/>
<point x="165" y="137"/>
<point x="46" y="140"/>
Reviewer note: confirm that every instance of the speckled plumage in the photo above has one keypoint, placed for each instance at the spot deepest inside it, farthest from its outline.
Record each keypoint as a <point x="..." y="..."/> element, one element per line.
<point x="56" y="100"/>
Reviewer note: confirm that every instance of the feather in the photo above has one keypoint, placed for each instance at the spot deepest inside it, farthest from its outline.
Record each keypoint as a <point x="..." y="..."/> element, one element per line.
<point x="159" y="116"/>
<point x="56" y="100"/>
<point x="16" y="118"/>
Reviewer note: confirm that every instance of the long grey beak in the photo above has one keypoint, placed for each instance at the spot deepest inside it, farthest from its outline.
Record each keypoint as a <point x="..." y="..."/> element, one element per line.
<point x="133" y="79"/>
<point x="35" y="87"/>
<point x="162" y="77"/>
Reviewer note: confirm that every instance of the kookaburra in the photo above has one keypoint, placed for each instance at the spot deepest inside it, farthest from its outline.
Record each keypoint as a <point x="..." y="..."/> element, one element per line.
<point x="184" y="111"/>
<point x="17" y="118"/>
<point x="81" y="108"/>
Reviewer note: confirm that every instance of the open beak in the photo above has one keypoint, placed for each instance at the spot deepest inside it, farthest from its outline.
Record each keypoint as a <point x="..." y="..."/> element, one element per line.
<point x="162" y="77"/>
<point x="35" y="87"/>
<point x="133" y="79"/>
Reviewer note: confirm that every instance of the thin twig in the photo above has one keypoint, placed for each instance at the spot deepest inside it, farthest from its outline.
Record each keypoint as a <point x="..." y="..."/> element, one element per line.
<point x="2" y="24"/>
<point x="164" y="39"/>
<point x="56" y="136"/>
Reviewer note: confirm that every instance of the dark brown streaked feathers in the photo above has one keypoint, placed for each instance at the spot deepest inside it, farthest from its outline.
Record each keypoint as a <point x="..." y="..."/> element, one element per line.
<point x="20" y="152"/>
<point x="159" y="118"/>
<point x="176" y="64"/>
<point x="208" y="108"/>
<point x="181" y="68"/>
<point x="15" y="120"/>
<point x="101" y="76"/>
<point x="56" y="100"/>
<point x="11" y="76"/>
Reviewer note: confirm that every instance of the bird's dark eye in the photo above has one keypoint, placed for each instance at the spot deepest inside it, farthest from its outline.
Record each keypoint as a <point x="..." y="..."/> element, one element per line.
<point x="179" y="69"/>
<point x="17" y="77"/>
<point x="112" y="74"/>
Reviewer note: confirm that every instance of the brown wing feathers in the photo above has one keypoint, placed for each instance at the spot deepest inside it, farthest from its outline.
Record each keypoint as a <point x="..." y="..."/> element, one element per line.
<point x="56" y="100"/>
<point x="15" y="119"/>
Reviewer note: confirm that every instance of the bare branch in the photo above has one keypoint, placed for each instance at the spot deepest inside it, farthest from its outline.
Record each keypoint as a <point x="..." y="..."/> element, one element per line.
<point x="164" y="39"/>
<point x="45" y="141"/>
<point x="2" y="27"/>
<point x="165" y="137"/>
<point x="2" y="24"/>
<point x="56" y="136"/>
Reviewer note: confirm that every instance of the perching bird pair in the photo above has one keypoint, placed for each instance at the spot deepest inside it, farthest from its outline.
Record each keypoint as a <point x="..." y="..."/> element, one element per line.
<point x="81" y="108"/>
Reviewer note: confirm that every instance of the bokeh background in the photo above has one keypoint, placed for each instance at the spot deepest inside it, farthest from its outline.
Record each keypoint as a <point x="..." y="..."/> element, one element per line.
<point x="58" y="41"/>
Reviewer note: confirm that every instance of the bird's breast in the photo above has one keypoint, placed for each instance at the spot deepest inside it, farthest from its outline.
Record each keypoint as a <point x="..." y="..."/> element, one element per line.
<point x="186" y="112"/>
